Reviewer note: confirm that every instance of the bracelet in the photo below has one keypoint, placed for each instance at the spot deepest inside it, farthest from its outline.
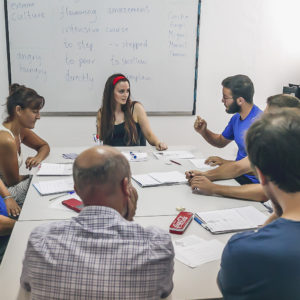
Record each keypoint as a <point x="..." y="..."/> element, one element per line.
<point x="7" y="197"/>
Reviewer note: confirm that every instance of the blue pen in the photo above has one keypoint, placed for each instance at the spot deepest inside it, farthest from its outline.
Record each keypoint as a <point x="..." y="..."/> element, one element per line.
<point x="132" y="155"/>
<point x="201" y="223"/>
<point x="69" y="193"/>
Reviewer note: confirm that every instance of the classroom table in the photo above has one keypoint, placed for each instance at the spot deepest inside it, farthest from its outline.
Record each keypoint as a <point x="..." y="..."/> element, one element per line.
<point x="197" y="283"/>
<point x="156" y="205"/>
<point x="153" y="201"/>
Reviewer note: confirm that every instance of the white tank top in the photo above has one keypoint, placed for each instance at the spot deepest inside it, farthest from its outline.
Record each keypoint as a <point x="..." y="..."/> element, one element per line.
<point x="20" y="157"/>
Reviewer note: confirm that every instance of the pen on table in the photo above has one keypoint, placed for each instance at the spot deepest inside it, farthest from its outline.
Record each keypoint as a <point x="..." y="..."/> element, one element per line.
<point x="175" y="162"/>
<point x="132" y="155"/>
<point x="62" y="195"/>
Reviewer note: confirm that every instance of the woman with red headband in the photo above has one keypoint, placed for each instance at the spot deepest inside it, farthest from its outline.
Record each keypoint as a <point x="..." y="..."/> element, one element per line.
<point x="121" y="121"/>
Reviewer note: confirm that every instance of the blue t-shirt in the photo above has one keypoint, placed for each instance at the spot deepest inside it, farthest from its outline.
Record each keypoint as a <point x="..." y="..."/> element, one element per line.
<point x="236" y="130"/>
<point x="263" y="264"/>
<point x="3" y="210"/>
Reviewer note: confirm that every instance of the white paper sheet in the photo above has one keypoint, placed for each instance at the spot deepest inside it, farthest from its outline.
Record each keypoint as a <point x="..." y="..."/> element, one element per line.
<point x="194" y="251"/>
<point x="49" y="169"/>
<point x="199" y="164"/>
<point x="135" y="155"/>
<point x="173" y="154"/>
<point x="54" y="186"/>
<point x="145" y="180"/>
<point x="233" y="219"/>
<point x="168" y="177"/>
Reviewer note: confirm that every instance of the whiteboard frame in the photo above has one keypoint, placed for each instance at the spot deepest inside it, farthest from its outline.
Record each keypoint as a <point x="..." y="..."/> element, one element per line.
<point x="149" y="113"/>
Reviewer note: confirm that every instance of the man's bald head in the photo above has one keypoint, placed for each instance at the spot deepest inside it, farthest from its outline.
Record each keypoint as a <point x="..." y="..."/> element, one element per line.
<point x="100" y="167"/>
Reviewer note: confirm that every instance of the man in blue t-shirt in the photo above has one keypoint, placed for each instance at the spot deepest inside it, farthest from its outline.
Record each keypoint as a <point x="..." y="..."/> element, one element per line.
<point x="265" y="264"/>
<point x="238" y="94"/>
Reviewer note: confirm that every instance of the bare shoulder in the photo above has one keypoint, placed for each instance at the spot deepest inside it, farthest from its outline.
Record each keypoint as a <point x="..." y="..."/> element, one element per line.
<point x="139" y="112"/>
<point x="138" y="108"/>
<point x="6" y="140"/>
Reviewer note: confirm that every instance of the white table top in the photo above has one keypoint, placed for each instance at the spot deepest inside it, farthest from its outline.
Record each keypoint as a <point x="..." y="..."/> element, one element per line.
<point x="153" y="201"/>
<point x="197" y="283"/>
<point x="156" y="205"/>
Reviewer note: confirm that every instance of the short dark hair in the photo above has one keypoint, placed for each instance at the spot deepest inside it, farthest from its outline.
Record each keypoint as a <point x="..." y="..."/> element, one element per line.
<point x="112" y="170"/>
<point x="283" y="100"/>
<point x="240" y="86"/>
<point x="273" y="145"/>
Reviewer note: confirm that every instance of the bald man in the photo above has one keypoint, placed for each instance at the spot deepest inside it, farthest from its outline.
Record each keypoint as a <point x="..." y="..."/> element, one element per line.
<point x="101" y="253"/>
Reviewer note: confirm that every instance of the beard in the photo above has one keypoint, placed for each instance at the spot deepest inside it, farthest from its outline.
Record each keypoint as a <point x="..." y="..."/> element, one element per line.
<point x="233" y="108"/>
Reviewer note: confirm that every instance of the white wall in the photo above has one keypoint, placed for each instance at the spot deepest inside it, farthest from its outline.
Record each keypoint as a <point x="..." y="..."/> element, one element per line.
<point x="258" y="38"/>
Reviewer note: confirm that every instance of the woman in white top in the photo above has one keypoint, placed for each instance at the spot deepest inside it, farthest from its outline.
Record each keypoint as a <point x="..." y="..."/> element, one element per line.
<point x="23" y="108"/>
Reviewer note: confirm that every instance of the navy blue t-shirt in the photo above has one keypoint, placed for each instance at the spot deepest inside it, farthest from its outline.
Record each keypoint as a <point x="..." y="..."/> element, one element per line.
<point x="236" y="130"/>
<point x="263" y="264"/>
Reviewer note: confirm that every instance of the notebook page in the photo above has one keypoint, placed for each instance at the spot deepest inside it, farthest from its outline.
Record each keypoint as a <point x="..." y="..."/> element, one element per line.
<point x="252" y="215"/>
<point x="173" y="154"/>
<point x="225" y="220"/>
<point x="145" y="180"/>
<point x="199" y="164"/>
<point x="55" y="169"/>
<point x="54" y="186"/>
<point x="169" y="177"/>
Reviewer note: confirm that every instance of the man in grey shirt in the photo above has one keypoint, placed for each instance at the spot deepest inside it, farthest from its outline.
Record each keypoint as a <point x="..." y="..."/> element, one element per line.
<point x="101" y="253"/>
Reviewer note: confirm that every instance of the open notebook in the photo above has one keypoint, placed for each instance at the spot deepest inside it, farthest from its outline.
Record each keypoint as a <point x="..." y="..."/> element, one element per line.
<point x="167" y="154"/>
<point x="48" y="169"/>
<point x="230" y="220"/>
<point x="50" y="187"/>
<point x="159" y="178"/>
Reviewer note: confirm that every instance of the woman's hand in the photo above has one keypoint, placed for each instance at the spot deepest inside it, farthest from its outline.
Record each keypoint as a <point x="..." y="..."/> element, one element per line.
<point x="32" y="162"/>
<point x="161" y="146"/>
<point x="13" y="209"/>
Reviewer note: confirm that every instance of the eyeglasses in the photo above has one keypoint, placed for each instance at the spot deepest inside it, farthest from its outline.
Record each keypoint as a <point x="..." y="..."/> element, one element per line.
<point x="226" y="98"/>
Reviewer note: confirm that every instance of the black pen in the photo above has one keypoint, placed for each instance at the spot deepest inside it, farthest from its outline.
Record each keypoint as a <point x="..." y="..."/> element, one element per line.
<point x="175" y="162"/>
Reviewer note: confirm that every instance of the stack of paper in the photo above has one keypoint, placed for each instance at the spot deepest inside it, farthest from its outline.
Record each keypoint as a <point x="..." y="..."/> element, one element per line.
<point x="135" y="156"/>
<point x="199" y="163"/>
<point x="55" y="169"/>
<point x="230" y="220"/>
<point x="54" y="186"/>
<point x="173" y="154"/>
<point x="194" y="251"/>
<point x="159" y="178"/>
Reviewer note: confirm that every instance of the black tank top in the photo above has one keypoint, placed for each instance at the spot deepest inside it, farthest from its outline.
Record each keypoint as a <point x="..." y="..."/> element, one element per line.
<point x="118" y="135"/>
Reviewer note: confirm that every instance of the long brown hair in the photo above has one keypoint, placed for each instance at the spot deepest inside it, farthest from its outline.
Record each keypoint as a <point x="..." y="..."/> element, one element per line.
<point x="107" y="112"/>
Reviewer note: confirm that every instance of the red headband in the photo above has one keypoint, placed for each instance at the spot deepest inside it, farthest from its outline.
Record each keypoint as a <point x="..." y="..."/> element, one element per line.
<point x="116" y="79"/>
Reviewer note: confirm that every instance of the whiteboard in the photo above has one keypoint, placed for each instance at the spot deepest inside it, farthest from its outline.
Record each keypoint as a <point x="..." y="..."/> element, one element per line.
<point x="66" y="49"/>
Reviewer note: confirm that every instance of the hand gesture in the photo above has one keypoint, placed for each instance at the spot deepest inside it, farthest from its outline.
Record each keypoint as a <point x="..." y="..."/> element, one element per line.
<point x="200" y="125"/>
<point x="13" y="209"/>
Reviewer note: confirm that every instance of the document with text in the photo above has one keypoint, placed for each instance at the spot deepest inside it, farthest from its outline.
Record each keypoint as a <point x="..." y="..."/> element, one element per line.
<point x="49" y="169"/>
